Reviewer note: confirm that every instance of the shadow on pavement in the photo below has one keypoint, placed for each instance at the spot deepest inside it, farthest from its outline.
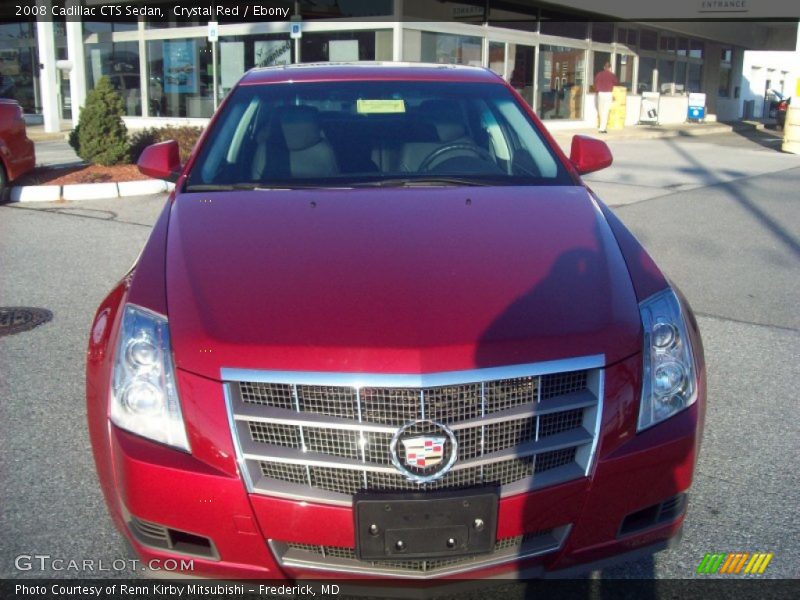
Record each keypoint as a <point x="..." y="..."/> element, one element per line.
<point x="732" y="189"/>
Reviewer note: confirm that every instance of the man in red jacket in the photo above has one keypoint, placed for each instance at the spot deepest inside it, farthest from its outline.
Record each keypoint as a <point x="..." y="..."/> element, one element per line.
<point x="604" y="82"/>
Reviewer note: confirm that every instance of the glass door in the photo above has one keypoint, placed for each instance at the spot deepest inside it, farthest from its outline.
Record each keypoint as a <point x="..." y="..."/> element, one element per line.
<point x="520" y="69"/>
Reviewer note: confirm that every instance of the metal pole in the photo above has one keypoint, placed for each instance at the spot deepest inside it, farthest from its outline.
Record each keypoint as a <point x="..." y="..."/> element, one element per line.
<point x="297" y="40"/>
<point x="214" y="71"/>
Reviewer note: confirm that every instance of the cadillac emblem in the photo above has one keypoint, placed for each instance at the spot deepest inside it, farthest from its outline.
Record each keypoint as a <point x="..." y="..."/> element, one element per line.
<point x="423" y="450"/>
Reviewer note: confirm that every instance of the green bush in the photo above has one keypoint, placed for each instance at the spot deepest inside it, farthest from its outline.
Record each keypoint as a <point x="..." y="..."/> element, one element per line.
<point x="186" y="137"/>
<point x="139" y="140"/>
<point x="102" y="137"/>
<point x="74" y="140"/>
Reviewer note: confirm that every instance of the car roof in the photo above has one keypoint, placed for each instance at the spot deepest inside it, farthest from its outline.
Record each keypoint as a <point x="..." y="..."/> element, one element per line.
<point x="365" y="71"/>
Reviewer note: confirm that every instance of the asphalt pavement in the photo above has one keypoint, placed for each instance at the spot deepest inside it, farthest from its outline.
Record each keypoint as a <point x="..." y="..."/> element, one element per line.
<point x="720" y="214"/>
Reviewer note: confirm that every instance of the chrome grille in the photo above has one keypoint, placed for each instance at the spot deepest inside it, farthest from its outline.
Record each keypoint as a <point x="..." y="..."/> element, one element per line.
<point x="338" y="558"/>
<point x="325" y="436"/>
<point x="272" y="394"/>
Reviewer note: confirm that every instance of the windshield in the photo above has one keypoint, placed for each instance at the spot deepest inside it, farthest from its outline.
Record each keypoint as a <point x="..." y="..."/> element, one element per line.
<point x="361" y="133"/>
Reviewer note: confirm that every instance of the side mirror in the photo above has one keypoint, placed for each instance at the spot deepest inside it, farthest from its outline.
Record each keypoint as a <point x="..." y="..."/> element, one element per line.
<point x="588" y="154"/>
<point x="161" y="161"/>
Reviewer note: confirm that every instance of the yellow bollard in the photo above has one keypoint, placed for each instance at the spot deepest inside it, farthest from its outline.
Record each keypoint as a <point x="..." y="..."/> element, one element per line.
<point x="791" y="130"/>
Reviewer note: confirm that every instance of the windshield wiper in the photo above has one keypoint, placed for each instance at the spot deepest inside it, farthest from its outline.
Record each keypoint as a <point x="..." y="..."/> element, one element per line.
<point x="223" y="187"/>
<point x="424" y="181"/>
<point x="220" y="187"/>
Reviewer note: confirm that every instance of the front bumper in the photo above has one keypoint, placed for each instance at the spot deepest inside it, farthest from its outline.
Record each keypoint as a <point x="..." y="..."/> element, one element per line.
<point x="203" y="495"/>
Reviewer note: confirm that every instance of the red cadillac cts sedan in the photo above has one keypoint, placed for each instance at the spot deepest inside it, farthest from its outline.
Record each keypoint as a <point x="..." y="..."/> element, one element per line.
<point x="17" y="153"/>
<point x="382" y="329"/>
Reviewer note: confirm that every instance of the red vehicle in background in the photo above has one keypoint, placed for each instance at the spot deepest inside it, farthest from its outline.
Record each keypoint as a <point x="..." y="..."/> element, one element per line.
<point x="17" y="155"/>
<point x="383" y="329"/>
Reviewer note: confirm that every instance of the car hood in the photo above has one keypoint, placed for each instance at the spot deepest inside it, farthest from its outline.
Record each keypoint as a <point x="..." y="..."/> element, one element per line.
<point x="401" y="280"/>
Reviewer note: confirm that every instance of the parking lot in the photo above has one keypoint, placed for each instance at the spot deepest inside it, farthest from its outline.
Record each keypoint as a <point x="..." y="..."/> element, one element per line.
<point x="720" y="214"/>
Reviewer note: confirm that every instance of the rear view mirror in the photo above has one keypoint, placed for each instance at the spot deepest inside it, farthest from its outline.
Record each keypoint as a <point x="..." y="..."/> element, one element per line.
<point x="161" y="161"/>
<point x="588" y="154"/>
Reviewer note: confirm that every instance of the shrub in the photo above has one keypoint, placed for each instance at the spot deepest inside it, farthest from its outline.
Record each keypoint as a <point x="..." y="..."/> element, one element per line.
<point x="74" y="140"/>
<point x="186" y="137"/>
<point x="140" y="140"/>
<point x="102" y="136"/>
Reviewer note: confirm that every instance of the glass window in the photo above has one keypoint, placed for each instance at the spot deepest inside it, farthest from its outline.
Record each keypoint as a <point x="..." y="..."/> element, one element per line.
<point x="726" y="55"/>
<point x="683" y="46"/>
<point x="694" y="77"/>
<point x="442" y="48"/>
<point x="724" y="89"/>
<point x="172" y="21"/>
<point x="19" y="67"/>
<point x="666" y="76"/>
<point x="623" y="69"/>
<point x="520" y="66"/>
<point x="598" y="61"/>
<point x="366" y="133"/>
<point x="180" y="78"/>
<point x="497" y="58"/>
<point x="119" y="61"/>
<point x="647" y="67"/>
<point x="603" y="32"/>
<point x="561" y="82"/>
<point x="90" y="27"/>
<point x="680" y="76"/>
<point x="627" y="36"/>
<point x="648" y="39"/>
<point x="667" y="43"/>
<point x="346" y="46"/>
<point x="696" y="48"/>
<point x="238" y="54"/>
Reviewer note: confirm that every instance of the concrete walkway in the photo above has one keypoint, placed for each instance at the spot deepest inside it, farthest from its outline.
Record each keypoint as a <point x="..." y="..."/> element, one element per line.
<point x="55" y="153"/>
<point x="642" y="132"/>
<point x="38" y="134"/>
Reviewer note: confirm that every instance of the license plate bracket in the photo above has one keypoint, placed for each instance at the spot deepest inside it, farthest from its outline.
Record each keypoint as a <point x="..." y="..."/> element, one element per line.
<point x="425" y="525"/>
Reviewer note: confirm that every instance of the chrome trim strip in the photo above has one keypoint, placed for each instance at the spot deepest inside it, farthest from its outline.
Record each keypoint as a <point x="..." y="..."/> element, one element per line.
<point x="361" y="440"/>
<point x="601" y="373"/>
<point x="241" y="462"/>
<point x="566" y="474"/>
<point x="269" y="414"/>
<point x="281" y="454"/>
<point x="344" y="565"/>
<point x="443" y="378"/>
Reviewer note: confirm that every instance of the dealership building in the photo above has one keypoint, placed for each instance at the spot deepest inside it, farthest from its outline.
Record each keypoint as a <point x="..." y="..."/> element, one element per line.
<point x="172" y="68"/>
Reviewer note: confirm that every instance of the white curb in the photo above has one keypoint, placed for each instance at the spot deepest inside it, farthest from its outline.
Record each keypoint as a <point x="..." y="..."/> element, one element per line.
<point x="141" y="188"/>
<point x="35" y="193"/>
<point x="89" y="191"/>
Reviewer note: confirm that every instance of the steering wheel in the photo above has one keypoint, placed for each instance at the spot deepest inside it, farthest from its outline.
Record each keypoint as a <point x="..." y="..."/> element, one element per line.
<point x="479" y="152"/>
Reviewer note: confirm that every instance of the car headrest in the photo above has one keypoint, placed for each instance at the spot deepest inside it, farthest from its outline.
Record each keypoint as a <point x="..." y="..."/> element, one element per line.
<point x="447" y="121"/>
<point x="300" y="126"/>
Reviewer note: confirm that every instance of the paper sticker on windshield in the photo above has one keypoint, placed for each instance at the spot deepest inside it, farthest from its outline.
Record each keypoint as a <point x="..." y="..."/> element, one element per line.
<point x="380" y="106"/>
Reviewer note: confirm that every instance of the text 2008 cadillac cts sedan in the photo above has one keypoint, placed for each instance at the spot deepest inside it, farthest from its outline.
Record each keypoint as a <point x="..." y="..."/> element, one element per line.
<point x="382" y="329"/>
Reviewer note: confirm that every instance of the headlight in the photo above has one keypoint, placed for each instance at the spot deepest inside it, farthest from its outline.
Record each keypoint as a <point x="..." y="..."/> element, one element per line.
<point x="668" y="384"/>
<point x="144" y="399"/>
